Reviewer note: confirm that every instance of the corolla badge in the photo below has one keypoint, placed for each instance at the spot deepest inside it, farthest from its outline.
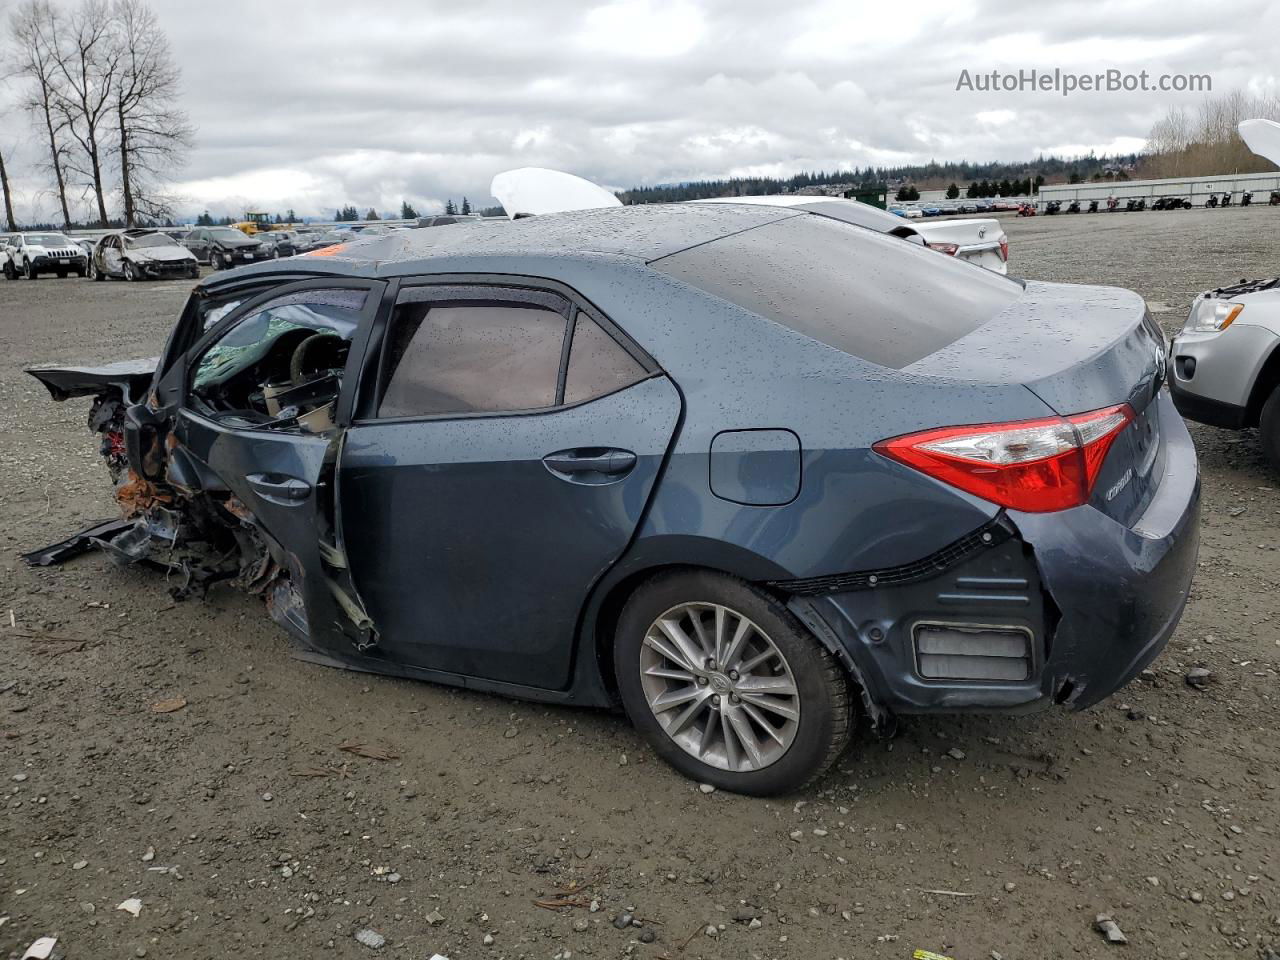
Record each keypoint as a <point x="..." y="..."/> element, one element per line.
<point x="1114" y="490"/>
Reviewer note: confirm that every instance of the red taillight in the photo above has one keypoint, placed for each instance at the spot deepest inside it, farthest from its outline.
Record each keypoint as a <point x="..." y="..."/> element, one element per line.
<point x="1004" y="250"/>
<point x="948" y="248"/>
<point x="1031" y="465"/>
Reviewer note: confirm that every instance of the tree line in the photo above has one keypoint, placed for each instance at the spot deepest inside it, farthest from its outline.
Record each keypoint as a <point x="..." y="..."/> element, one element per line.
<point x="100" y="86"/>
<point x="1206" y="142"/>
<point x="996" y="172"/>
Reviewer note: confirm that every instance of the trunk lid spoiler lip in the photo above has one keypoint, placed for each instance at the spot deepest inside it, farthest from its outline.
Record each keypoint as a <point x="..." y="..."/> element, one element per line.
<point x="1077" y="348"/>
<point x="130" y="377"/>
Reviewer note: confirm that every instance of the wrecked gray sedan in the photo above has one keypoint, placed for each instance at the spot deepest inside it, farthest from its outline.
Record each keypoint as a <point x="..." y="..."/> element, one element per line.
<point x="748" y="471"/>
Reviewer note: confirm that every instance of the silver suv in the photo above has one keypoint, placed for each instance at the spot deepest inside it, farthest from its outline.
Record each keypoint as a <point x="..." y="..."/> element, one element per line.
<point x="1226" y="360"/>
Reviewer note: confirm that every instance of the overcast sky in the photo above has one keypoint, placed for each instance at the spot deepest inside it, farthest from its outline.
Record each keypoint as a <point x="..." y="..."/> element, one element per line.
<point x="315" y="104"/>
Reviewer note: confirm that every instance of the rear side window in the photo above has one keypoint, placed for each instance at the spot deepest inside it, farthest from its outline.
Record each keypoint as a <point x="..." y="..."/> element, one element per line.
<point x="871" y="295"/>
<point x="472" y="358"/>
<point x="598" y="364"/>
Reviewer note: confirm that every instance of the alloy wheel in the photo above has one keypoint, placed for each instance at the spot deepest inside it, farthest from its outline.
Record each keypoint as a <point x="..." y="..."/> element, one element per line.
<point x="719" y="687"/>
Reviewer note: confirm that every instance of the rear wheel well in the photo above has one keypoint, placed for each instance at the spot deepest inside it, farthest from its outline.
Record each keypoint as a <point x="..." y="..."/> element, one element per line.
<point x="1267" y="380"/>
<point x="606" y="623"/>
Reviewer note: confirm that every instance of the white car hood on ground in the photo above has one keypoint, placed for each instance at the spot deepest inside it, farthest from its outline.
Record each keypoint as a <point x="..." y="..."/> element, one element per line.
<point x="1262" y="137"/>
<point x="532" y="191"/>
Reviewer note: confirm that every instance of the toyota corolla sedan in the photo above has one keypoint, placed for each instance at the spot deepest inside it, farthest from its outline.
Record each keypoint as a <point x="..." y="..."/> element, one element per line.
<point x="748" y="472"/>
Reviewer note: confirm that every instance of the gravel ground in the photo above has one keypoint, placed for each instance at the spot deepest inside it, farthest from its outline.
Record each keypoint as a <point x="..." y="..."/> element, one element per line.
<point x="242" y="828"/>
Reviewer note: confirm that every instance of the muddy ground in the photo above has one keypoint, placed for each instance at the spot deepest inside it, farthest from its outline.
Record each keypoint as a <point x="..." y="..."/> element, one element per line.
<point x="245" y="831"/>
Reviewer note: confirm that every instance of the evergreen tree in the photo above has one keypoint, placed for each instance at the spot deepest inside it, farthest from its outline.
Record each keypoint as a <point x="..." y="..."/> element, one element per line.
<point x="291" y="217"/>
<point x="372" y="215"/>
<point x="972" y="191"/>
<point x="466" y="206"/>
<point x="952" y="192"/>
<point x="406" y="211"/>
<point x="449" y="208"/>
<point x="204" y="220"/>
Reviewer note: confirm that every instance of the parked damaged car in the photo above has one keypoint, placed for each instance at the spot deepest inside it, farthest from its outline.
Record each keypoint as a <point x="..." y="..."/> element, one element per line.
<point x="224" y="247"/>
<point x="748" y="472"/>
<point x="138" y="254"/>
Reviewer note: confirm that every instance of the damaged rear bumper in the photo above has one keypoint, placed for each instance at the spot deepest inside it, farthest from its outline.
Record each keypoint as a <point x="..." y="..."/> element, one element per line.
<point x="1064" y="607"/>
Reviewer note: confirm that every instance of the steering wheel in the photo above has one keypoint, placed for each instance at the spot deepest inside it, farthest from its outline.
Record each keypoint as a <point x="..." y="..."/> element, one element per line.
<point x="300" y="371"/>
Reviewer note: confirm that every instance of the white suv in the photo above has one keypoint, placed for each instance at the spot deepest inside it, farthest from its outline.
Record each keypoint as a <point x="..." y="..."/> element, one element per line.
<point x="35" y="253"/>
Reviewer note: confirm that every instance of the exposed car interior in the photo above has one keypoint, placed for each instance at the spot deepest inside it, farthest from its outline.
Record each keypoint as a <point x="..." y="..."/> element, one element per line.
<point x="280" y="366"/>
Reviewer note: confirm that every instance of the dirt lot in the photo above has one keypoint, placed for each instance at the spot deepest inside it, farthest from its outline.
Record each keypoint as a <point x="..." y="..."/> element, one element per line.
<point x="244" y="830"/>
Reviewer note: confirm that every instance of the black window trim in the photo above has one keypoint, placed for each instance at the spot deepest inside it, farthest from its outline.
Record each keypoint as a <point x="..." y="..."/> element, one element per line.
<point x="370" y="396"/>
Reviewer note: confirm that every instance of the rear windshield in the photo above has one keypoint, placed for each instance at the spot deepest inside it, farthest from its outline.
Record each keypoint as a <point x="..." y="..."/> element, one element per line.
<point x="871" y="295"/>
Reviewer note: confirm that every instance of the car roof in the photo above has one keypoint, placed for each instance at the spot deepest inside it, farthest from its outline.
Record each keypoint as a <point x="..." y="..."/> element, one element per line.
<point x="643" y="232"/>
<point x="837" y="208"/>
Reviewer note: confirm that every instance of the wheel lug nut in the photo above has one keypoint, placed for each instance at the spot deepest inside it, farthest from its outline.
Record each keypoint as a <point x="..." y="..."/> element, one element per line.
<point x="733" y="674"/>
<point x="702" y="681"/>
<point x="733" y="698"/>
<point x="715" y="701"/>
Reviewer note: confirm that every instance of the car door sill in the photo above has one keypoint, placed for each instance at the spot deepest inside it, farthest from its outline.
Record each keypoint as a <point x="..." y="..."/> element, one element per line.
<point x="580" y="697"/>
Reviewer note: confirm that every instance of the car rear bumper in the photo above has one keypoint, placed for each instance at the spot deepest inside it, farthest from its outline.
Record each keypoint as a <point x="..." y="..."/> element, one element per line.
<point x="1093" y="600"/>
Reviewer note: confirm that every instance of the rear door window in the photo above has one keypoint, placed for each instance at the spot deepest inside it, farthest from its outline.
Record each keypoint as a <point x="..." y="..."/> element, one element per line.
<point x="871" y="295"/>
<point x="464" y="358"/>
<point x="598" y="364"/>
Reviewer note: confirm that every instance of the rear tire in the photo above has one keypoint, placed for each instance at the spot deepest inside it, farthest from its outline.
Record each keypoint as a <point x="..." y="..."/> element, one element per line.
<point x="1269" y="427"/>
<point x="746" y="744"/>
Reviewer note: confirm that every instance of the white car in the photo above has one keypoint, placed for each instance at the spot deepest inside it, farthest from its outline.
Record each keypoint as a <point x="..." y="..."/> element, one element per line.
<point x="6" y="261"/>
<point x="531" y="191"/>
<point x="981" y="242"/>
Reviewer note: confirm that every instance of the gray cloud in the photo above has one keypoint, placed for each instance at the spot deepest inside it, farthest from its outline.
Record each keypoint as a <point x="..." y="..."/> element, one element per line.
<point x="322" y="103"/>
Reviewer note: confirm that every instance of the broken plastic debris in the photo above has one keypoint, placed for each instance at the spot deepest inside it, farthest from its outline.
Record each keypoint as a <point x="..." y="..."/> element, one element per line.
<point x="41" y="949"/>
<point x="1108" y="928"/>
<point x="928" y="955"/>
<point x="168" y="706"/>
<point x="132" y="906"/>
<point x="371" y="939"/>
<point x="434" y="917"/>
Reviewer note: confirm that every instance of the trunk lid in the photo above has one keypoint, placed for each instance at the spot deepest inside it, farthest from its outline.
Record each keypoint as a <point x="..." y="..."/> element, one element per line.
<point x="130" y="377"/>
<point x="1077" y="348"/>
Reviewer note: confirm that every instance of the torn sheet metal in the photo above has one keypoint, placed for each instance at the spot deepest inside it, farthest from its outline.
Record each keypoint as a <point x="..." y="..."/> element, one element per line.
<point x="76" y="544"/>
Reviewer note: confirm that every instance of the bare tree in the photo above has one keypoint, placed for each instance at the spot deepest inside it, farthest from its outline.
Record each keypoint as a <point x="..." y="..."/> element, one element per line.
<point x="152" y="133"/>
<point x="35" y="26"/>
<point x="8" y="196"/>
<point x="1182" y="146"/>
<point x="87" y="59"/>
